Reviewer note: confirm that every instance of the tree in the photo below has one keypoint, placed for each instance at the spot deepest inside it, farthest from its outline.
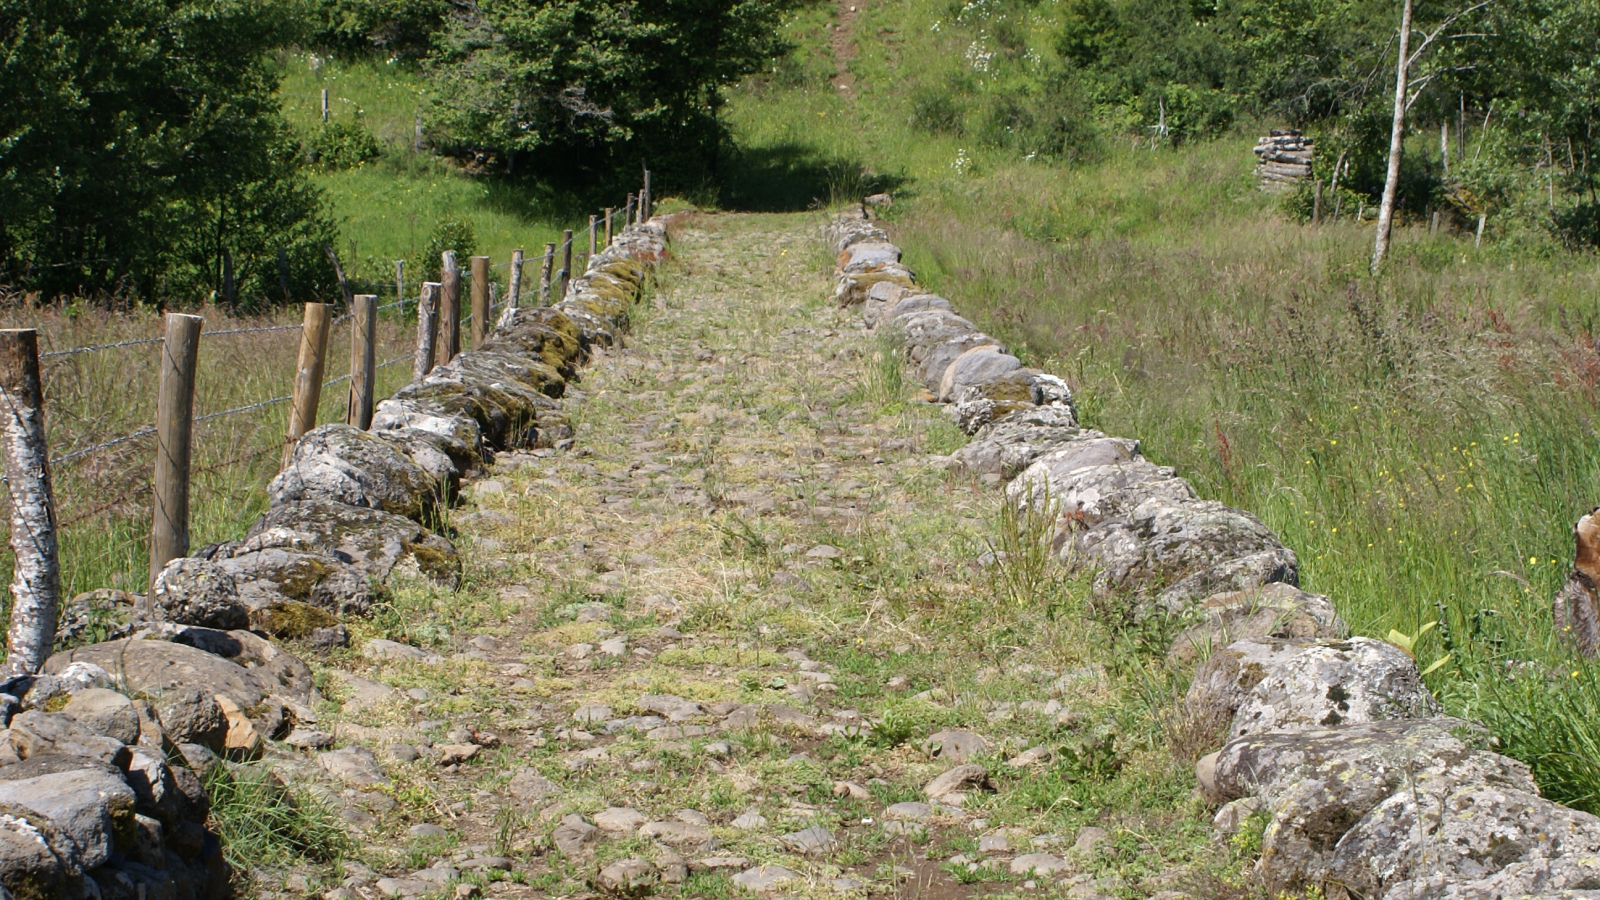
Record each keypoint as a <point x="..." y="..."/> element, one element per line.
<point x="1406" y="94"/>
<point x="141" y="142"/>
<point x="581" y="81"/>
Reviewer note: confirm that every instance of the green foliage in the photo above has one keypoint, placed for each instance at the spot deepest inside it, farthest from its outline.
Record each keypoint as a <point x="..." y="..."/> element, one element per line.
<point x="342" y="145"/>
<point x="451" y="234"/>
<point x="596" y="83"/>
<point x="399" y="28"/>
<point x="142" y="142"/>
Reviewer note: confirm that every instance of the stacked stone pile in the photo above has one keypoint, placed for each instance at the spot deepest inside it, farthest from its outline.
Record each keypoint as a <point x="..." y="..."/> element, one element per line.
<point x="1368" y="791"/>
<point x="1285" y="159"/>
<point x="102" y="754"/>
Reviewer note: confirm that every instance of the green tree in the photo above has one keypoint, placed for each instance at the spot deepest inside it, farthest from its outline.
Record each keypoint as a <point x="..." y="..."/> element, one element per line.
<point x="597" y="82"/>
<point x="141" y="142"/>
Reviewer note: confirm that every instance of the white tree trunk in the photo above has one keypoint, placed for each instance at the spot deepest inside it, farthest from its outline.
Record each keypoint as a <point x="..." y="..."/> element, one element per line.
<point x="37" y="576"/>
<point x="1397" y="135"/>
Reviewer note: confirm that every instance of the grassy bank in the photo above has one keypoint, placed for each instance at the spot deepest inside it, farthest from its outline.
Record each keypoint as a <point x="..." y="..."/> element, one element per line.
<point x="1424" y="440"/>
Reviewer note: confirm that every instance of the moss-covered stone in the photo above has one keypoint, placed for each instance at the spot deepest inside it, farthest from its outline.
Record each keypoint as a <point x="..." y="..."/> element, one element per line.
<point x="290" y="619"/>
<point x="371" y="541"/>
<point x="343" y="463"/>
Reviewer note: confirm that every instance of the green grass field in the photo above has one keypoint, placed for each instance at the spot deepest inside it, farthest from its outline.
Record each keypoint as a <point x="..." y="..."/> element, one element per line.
<point x="1424" y="440"/>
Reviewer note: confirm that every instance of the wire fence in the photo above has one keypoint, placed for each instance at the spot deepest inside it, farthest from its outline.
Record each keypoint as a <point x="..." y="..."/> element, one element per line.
<point x="88" y="395"/>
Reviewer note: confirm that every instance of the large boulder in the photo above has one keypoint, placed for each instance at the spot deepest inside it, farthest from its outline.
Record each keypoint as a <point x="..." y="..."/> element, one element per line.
<point x="458" y="434"/>
<point x="852" y="287"/>
<point x="368" y="539"/>
<point x="1299" y="685"/>
<point x="975" y="405"/>
<point x="194" y="591"/>
<point x="344" y="464"/>
<point x="280" y="565"/>
<point x="920" y="332"/>
<point x="863" y="255"/>
<point x="105" y="712"/>
<point x="1337" y="797"/>
<point x="1461" y="829"/>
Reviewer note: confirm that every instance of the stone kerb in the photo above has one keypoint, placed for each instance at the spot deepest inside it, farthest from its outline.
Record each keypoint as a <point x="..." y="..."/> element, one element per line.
<point x="101" y="753"/>
<point x="1366" y="789"/>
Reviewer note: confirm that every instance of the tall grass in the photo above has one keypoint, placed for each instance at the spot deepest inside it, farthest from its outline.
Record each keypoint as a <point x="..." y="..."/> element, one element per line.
<point x="103" y="498"/>
<point x="1423" y="440"/>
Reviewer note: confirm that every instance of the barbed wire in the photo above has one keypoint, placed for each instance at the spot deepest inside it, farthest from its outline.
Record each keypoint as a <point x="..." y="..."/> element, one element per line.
<point x="256" y="330"/>
<point x="98" y="447"/>
<point x="96" y="347"/>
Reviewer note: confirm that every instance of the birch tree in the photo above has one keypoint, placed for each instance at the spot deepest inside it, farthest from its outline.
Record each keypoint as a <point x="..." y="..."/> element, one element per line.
<point x="1405" y="94"/>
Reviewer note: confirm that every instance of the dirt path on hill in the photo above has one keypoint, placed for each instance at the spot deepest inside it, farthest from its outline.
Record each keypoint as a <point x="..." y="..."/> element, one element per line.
<point x="843" y="41"/>
<point x="725" y="643"/>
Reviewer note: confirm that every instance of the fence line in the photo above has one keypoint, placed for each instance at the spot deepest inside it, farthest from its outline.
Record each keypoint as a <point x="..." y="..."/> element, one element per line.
<point x="176" y="420"/>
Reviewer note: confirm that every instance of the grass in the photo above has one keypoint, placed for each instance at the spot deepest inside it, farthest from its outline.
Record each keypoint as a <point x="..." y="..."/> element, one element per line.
<point x="388" y="208"/>
<point x="1424" y="440"/>
<point x="261" y="823"/>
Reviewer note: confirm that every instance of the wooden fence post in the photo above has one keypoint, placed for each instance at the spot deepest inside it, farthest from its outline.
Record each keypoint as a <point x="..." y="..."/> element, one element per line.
<point x="307" y="376"/>
<point x="566" y="264"/>
<point x="36" y="579"/>
<point x="515" y="290"/>
<point x="363" y="361"/>
<point x="400" y="283"/>
<point x="480" y="300"/>
<point x="427" y="329"/>
<point x="592" y="220"/>
<point x="646" y="200"/>
<point x="449" y="308"/>
<point x="544" y="273"/>
<point x="627" y="212"/>
<point x="324" y="104"/>
<point x="610" y="212"/>
<point x="169" y="525"/>
<point x="338" y="271"/>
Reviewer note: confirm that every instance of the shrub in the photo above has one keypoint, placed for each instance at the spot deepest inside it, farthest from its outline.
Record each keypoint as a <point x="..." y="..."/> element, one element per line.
<point x="342" y="145"/>
<point x="451" y="234"/>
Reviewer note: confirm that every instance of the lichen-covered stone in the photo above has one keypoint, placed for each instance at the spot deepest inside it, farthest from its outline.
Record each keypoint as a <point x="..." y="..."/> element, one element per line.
<point x="882" y="296"/>
<point x="347" y="465"/>
<point x="863" y="255"/>
<point x="1333" y="795"/>
<point x="1270" y="611"/>
<point x="90" y="805"/>
<point x="852" y="287"/>
<point x="460" y="434"/>
<point x="194" y="591"/>
<point x="544" y="333"/>
<point x="290" y="619"/>
<point x="1168" y="538"/>
<point x="1298" y="685"/>
<point x="920" y="332"/>
<point x="281" y="565"/>
<point x="368" y="539"/>
<point x="1007" y="445"/>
